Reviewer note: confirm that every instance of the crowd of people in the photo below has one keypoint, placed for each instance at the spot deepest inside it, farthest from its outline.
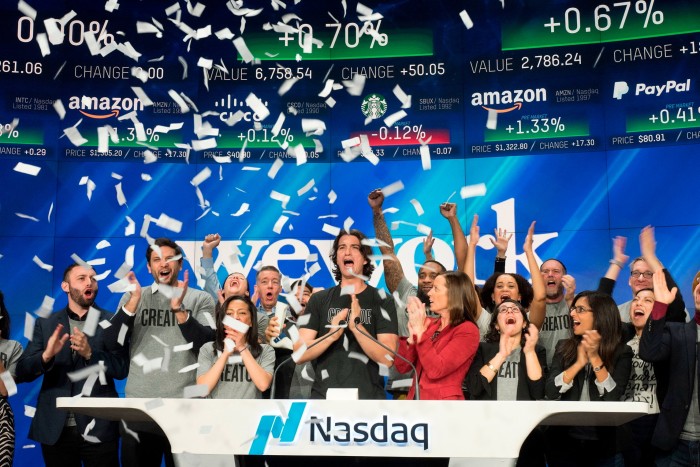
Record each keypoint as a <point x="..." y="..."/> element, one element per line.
<point x="442" y="338"/>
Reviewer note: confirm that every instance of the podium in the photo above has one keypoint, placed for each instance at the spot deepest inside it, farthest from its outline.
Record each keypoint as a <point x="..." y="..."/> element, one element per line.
<point x="212" y="431"/>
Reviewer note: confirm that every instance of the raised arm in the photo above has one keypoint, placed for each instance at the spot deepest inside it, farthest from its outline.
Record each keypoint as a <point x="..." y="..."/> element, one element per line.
<point x="212" y="286"/>
<point x="647" y="246"/>
<point x="393" y="272"/>
<point x="449" y="212"/>
<point x="617" y="264"/>
<point x="538" y="306"/>
<point x="501" y="245"/>
<point x="469" y="265"/>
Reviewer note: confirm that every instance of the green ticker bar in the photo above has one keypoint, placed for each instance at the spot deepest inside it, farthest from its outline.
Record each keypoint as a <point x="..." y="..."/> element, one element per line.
<point x="235" y="142"/>
<point x="401" y="43"/>
<point x="534" y="33"/>
<point x="572" y="130"/>
<point x="637" y="124"/>
<point x="159" y="140"/>
<point x="28" y="136"/>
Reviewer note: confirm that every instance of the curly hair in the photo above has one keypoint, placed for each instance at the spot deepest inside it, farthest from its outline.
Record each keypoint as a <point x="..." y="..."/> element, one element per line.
<point x="365" y="249"/>
<point x="524" y="289"/>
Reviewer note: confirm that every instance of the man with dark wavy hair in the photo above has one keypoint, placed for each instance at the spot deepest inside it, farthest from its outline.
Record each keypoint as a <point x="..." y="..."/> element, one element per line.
<point x="348" y="359"/>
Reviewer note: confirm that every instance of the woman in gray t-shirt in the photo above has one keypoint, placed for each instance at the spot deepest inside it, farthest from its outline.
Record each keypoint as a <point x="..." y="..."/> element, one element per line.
<point x="235" y="365"/>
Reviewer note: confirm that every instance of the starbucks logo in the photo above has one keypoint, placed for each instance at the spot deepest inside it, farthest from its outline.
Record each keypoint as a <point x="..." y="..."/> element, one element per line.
<point x="374" y="106"/>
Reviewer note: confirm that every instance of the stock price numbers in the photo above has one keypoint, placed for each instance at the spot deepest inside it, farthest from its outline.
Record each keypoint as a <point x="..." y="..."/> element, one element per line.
<point x="349" y="35"/>
<point x="603" y="19"/>
<point x="280" y="72"/>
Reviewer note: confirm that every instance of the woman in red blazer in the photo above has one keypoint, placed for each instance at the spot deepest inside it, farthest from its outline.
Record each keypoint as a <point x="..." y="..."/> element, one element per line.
<point x="442" y="348"/>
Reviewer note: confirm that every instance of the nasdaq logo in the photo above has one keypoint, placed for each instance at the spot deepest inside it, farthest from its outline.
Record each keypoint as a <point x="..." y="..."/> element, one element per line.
<point x="278" y="428"/>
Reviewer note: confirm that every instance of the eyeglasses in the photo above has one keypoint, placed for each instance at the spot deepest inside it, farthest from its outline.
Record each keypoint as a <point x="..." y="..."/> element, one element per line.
<point x="646" y="274"/>
<point x="509" y="309"/>
<point x="579" y="309"/>
<point x="551" y="271"/>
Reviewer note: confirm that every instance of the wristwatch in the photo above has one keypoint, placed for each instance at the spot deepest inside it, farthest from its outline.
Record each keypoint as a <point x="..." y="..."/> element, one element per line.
<point x="598" y="368"/>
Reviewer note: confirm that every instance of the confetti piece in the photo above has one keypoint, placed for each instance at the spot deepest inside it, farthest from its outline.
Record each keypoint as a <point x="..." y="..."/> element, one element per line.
<point x="184" y="108"/>
<point x="242" y="210"/>
<point x="275" y="167"/>
<point x="359" y="356"/>
<point x="423" y="229"/>
<point x="235" y="324"/>
<point x="26" y="9"/>
<point x="330" y="229"/>
<point x="189" y="368"/>
<point x="324" y="374"/>
<point x="298" y="353"/>
<point x="425" y="157"/>
<point x="88" y="428"/>
<point x="305" y="374"/>
<point x="466" y="19"/>
<point x="299" y="154"/>
<point x="492" y="120"/>
<point x="471" y="191"/>
<point x="392" y="188"/>
<point x="104" y="324"/>
<point x="204" y="174"/>
<point x="402" y="383"/>
<point x="41" y="264"/>
<point x="153" y="404"/>
<point x="280" y="224"/>
<point x="383" y="369"/>
<point x="84" y="373"/>
<point x="183" y="347"/>
<point x="356" y="86"/>
<point x="332" y="197"/>
<point x="395" y="117"/>
<point x="313" y="126"/>
<point x="385" y="314"/>
<point x="402" y="97"/>
<point x="93" y="318"/>
<point x="121" y="199"/>
<point x="243" y="50"/>
<point x="29" y="411"/>
<point x="27" y="169"/>
<point x="347" y="290"/>
<point x="257" y="106"/>
<point x="9" y="382"/>
<point x="74" y="136"/>
<point x="281" y="197"/>
<point x="417" y="206"/>
<point x="122" y="334"/>
<point x="26" y="216"/>
<point x="43" y="42"/>
<point x="60" y="109"/>
<point x="130" y="228"/>
<point x="169" y="223"/>
<point x="29" y="321"/>
<point x="306" y="187"/>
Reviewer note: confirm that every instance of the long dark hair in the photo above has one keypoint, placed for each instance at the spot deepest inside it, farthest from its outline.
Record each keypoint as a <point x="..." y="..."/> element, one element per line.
<point x="251" y="335"/>
<point x="524" y="289"/>
<point x="4" y="319"/>
<point x="461" y="297"/>
<point x="606" y="320"/>
<point x="493" y="335"/>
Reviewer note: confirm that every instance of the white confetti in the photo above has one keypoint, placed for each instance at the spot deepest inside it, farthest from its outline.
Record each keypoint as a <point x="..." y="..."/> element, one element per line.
<point x="395" y="117"/>
<point x="347" y="290"/>
<point x="183" y="347"/>
<point x="121" y="199"/>
<point x="189" y="368"/>
<point x="383" y="369"/>
<point x="275" y="167"/>
<point x="204" y="174"/>
<point x="29" y="321"/>
<point x="332" y="197"/>
<point x="298" y="353"/>
<point x="359" y="356"/>
<point x="26" y="216"/>
<point x="242" y="210"/>
<point x="41" y="264"/>
<point x="471" y="191"/>
<point x="196" y="390"/>
<point x="330" y="229"/>
<point x="425" y="157"/>
<point x="392" y="188"/>
<point x="417" y="206"/>
<point x="277" y="228"/>
<point x="281" y="197"/>
<point x="26" y="9"/>
<point x="466" y="19"/>
<point x="402" y="97"/>
<point x="243" y="50"/>
<point x="60" y="109"/>
<point x="324" y="374"/>
<point x="306" y="187"/>
<point x="122" y="334"/>
<point x="130" y="228"/>
<point x="29" y="411"/>
<point x="257" y="105"/>
<point x="235" y="324"/>
<point x="402" y="383"/>
<point x="93" y="318"/>
<point x="27" y="169"/>
<point x="9" y="382"/>
<point x="492" y="120"/>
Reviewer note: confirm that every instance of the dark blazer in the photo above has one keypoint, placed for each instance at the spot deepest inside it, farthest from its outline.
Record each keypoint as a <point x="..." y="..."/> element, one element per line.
<point x="48" y="421"/>
<point x="673" y="346"/>
<point x="611" y="439"/>
<point x="441" y="364"/>
<point x="479" y="388"/>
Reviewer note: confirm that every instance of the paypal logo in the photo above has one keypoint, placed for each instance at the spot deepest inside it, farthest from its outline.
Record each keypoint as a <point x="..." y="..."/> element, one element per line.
<point x="275" y="426"/>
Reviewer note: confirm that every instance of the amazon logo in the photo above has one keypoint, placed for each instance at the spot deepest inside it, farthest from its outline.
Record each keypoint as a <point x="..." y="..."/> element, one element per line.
<point x="508" y="100"/>
<point x="103" y="107"/>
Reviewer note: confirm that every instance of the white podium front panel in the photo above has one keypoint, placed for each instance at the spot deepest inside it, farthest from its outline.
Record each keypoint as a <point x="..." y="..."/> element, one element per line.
<point x="467" y="429"/>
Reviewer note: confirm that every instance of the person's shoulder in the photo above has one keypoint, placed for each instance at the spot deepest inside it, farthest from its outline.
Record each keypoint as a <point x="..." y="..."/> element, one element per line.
<point x="207" y="347"/>
<point x="323" y="294"/>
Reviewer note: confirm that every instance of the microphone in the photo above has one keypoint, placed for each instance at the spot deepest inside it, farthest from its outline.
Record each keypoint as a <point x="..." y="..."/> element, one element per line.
<point x="288" y="359"/>
<point x="370" y="337"/>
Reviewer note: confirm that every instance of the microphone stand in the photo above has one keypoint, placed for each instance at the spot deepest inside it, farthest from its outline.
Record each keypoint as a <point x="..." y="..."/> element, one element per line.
<point x="370" y="337"/>
<point x="288" y="359"/>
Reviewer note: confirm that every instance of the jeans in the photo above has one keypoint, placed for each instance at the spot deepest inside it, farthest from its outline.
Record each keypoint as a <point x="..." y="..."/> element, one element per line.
<point x="686" y="453"/>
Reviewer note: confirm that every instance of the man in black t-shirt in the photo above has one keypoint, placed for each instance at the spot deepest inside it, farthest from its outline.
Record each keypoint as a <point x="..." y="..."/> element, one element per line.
<point x="349" y="359"/>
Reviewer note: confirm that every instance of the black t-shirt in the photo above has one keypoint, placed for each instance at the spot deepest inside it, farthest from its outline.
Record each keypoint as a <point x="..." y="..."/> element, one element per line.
<point x="344" y="371"/>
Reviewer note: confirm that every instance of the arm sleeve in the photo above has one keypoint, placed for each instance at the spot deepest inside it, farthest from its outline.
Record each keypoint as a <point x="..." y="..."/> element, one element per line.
<point x="386" y="321"/>
<point x="211" y="280"/>
<point x="408" y="352"/>
<point x="14" y="358"/>
<point x="499" y="266"/>
<point x="620" y="376"/>
<point x="267" y="359"/>
<point x="30" y="366"/>
<point x="476" y="383"/>
<point x="606" y="285"/>
<point x="536" y="387"/>
<point x="555" y="385"/>
<point x="676" y="309"/>
<point x="111" y="334"/>
<point x="198" y="331"/>
<point x="459" y="351"/>
<point x="655" y="343"/>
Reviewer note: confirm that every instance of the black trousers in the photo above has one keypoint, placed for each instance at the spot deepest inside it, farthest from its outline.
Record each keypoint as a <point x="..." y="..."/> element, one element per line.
<point x="71" y="450"/>
<point x="148" y="451"/>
